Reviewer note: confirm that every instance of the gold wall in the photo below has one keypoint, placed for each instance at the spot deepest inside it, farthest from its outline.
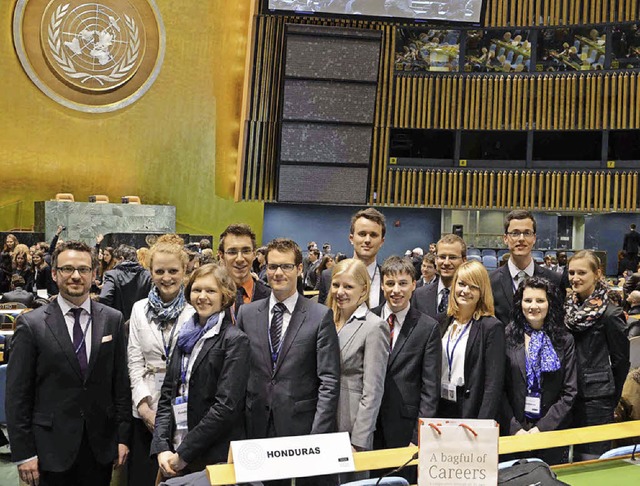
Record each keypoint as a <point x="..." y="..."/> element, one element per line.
<point x="177" y="145"/>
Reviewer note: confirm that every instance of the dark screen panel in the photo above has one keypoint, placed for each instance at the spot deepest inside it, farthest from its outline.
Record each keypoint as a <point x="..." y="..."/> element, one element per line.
<point x="323" y="184"/>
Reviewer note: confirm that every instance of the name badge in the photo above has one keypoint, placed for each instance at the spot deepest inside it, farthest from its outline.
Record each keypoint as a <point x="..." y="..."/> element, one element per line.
<point x="532" y="405"/>
<point x="159" y="380"/>
<point x="180" y="413"/>
<point x="449" y="392"/>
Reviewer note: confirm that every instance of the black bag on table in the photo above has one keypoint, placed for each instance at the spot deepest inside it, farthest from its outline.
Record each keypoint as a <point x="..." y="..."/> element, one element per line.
<point x="526" y="473"/>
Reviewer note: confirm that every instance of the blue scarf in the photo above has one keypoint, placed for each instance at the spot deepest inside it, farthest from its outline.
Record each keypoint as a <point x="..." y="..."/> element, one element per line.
<point x="165" y="311"/>
<point x="192" y="331"/>
<point x="541" y="358"/>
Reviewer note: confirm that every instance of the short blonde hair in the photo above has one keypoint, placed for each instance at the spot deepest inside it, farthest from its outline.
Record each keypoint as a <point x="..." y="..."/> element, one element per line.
<point x="357" y="270"/>
<point x="474" y="273"/>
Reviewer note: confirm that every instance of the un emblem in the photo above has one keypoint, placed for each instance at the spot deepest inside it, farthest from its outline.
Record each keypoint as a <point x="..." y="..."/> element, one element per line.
<point x="93" y="57"/>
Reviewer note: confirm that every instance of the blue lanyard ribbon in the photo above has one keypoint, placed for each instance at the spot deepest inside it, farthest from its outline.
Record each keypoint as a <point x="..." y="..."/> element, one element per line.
<point x="451" y="354"/>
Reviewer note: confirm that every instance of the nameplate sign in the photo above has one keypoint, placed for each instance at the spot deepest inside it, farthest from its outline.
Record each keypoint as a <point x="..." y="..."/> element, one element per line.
<point x="292" y="457"/>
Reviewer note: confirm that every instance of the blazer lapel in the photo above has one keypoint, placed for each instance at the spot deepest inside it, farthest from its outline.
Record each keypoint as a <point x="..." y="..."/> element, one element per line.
<point x="507" y="283"/>
<point x="407" y="328"/>
<point x="347" y="332"/>
<point x="56" y="322"/>
<point x="209" y="343"/>
<point x="473" y="335"/>
<point x="97" y="330"/>
<point x="297" y="318"/>
<point x="262" y="330"/>
<point x="520" y="357"/>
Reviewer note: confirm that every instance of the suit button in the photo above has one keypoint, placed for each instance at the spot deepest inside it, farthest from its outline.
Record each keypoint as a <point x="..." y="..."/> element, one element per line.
<point x="82" y="413"/>
<point x="273" y="382"/>
<point x="467" y="393"/>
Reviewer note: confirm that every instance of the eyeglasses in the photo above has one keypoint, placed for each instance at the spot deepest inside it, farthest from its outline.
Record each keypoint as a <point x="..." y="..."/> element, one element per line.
<point x="68" y="270"/>
<point x="232" y="252"/>
<point x="452" y="258"/>
<point x="286" y="267"/>
<point x="516" y="235"/>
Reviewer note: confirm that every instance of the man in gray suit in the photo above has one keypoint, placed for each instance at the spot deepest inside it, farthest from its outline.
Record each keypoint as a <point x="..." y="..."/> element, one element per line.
<point x="295" y="357"/>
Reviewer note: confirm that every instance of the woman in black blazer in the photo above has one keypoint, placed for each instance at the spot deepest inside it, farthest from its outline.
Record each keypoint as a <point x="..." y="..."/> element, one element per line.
<point x="602" y="348"/>
<point x="209" y="370"/>
<point x="540" y="376"/>
<point x="472" y="348"/>
<point x="42" y="279"/>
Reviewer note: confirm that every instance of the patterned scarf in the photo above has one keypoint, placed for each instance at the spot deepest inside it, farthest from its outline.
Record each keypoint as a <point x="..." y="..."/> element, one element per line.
<point x="541" y="358"/>
<point x="581" y="316"/>
<point x="165" y="311"/>
<point x="192" y="331"/>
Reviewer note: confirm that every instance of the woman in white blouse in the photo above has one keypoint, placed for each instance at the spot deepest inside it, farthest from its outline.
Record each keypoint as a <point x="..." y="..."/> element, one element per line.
<point x="153" y="329"/>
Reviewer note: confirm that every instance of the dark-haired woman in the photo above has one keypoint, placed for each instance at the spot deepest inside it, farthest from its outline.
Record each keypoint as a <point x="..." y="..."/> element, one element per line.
<point x="42" y="279"/>
<point x="540" y="378"/>
<point x="602" y="348"/>
<point x="201" y="407"/>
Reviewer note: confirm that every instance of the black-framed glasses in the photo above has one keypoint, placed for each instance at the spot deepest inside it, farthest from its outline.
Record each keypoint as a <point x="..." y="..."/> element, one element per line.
<point x="516" y="235"/>
<point x="68" y="270"/>
<point x="286" y="267"/>
<point x="232" y="252"/>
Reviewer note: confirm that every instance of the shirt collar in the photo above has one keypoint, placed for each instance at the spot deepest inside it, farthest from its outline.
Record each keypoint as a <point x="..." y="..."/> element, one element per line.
<point x="372" y="268"/>
<point x="513" y="270"/>
<point x="290" y="302"/>
<point x="66" y="306"/>
<point x="248" y="286"/>
<point x="215" y="329"/>
<point x="360" y="313"/>
<point x="400" y="316"/>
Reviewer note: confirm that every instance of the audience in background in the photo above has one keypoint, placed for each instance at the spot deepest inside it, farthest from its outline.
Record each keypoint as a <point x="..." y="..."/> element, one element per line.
<point x="10" y="242"/>
<point x="42" y="279"/>
<point x="633" y="317"/>
<point x="22" y="264"/>
<point x="428" y="274"/>
<point x="18" y="293"/>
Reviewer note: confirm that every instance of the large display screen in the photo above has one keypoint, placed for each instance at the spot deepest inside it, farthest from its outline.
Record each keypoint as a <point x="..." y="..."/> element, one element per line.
<point x="469" y="11"/>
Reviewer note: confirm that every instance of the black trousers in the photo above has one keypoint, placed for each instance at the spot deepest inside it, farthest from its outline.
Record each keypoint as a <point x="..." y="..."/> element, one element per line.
<point x="85" y="471"/>
<point x="596" y="411"/>
<point x="142" y="468"/>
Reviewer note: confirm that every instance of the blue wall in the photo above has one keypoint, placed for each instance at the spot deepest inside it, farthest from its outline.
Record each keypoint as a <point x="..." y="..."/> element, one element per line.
<point x="304" y="223"/>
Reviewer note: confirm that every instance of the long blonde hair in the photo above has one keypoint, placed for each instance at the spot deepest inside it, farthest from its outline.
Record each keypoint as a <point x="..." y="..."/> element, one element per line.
<point x="357" y="270"/>
<point x="473" y="273"/>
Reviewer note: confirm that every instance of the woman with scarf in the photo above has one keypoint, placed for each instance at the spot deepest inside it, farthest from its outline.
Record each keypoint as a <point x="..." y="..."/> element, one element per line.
<point x="201" y="408"/>
<point x="153" y="331"/>
<point x="540" y="373"/>
<point x="602" y="348"/>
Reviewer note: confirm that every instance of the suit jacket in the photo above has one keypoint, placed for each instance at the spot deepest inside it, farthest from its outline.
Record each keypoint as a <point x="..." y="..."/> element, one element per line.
<point x="50" y="403"/>
<point x="631" y="284"/>
<point x="217" y="388"/>
<point x="484" y="361"/>
<point x="18" y="295"/>
<point x="502" y="287"/>
<point x="631" y="242"/>
<point x="425" y="300"/>
<point x="412" y="385"/>
<point x="364" y="351"/>
<point x="301" y="393"/>
<point x="43" y="280"/>
<point x="559" y="389"/>
<point x="125" y="285"/>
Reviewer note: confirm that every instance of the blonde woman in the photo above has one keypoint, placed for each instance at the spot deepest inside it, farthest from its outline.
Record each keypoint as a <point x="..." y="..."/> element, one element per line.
<point x="473" y="348"/>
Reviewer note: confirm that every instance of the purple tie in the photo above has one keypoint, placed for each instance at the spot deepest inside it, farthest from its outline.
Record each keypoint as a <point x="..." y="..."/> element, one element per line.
<point x="78" y="341"/>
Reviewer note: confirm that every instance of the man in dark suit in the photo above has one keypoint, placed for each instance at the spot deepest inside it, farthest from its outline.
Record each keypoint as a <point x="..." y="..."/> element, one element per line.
<point x="237" y="250"/>
<point x="631" y="244"/>
<point x="69" y="412"/>
<point x="17" y="292"/>
<point x="366" y="235"/>
<point x="412" y="383"/>
<point x="310" y="276"/>
<point x="294" y="382"/>
<point x="520" y="237"/>
<point x="432" y="299"/>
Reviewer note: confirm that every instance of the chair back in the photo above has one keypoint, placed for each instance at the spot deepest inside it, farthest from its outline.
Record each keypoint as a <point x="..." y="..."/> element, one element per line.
<point x="65" y="196"/>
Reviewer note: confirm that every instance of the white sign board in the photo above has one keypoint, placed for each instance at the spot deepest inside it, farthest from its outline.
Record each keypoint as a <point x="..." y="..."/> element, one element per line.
<point x="292" y="457"/>
<point x="458" y="452"/>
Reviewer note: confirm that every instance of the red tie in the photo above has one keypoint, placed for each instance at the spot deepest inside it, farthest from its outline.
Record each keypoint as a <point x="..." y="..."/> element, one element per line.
<point x="392" y="324"/>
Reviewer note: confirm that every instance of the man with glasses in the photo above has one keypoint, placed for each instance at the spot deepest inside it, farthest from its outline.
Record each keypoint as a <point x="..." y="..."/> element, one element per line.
<point x="237" y="252"/>
<point x="519" y="236"/>
<point x="69" y="415"/>
<point x="294" y="382"/>
<point x="433" y="299"/>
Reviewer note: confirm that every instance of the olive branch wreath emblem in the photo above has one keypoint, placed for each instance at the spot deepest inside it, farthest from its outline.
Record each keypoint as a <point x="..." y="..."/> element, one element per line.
<point x="66" y="62"/>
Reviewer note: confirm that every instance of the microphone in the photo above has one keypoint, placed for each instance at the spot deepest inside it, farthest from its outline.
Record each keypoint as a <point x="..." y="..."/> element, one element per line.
<point x="398" y="469"/>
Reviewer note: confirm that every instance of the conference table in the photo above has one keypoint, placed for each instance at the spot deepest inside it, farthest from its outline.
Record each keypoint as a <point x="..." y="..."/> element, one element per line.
<point x="620" y="471"/>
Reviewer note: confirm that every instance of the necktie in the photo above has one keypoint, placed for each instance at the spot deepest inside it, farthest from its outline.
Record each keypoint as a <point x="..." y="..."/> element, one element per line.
<point x="275" y="330"/>
<point x="240" y="297"/>
<point x="392" y="324"/>
<point x="520" y="278"/>
<point x="79" y="341"/>
<point x="444" y="302"/>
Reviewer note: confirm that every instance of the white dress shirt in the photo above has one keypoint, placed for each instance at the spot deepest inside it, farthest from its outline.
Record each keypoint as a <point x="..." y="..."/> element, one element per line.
<point x="290" y="304"/>
<point x="374" y="292"/>
<point x="400" y="317"/>
<point x="456" y="333"/>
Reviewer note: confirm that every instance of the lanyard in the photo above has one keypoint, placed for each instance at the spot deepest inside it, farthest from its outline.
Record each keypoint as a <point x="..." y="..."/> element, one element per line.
<point x="184" y="366"/>
<point x="84" y="335"/>
<point x="167" y="347"/>
<point x="450" y="354"/>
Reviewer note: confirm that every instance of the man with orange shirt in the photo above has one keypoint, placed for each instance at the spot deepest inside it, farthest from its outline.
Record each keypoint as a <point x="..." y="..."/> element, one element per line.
<point x="237" y="250"/>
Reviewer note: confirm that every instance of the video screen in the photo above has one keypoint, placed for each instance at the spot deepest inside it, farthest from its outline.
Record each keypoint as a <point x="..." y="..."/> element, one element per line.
<point x="579" y="49"/>
<point x="501" y="51"/>
<point x="625" y="44"/>
<point x="469" y="11"/>
<point x="427" y="50"/>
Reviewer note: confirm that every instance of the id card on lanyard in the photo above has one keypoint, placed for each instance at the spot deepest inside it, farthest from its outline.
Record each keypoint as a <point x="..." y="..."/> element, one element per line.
<point x="448" y="390"/>
<point x="180" y="403"/>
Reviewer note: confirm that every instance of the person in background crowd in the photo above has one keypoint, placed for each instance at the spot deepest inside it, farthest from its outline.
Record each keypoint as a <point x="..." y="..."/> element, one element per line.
<point x="18" y="293"/>
<point x="207" y="256"/>
<point x="428" y="273"/>
<point x="540" y="399"/>
<point x="22" y="264"/>
<point x="625" y="264"/>
<point x="364" y="351"/>
<point x="631" y="243"/>
<point x="142" y="254"/>
<point x="205" y="244"/>
<point x="153" y="330"/>
<point x="42" y="279"/>
<point x="312" y="245"/>
<point x="294" y="391"/>
<point x="6" y="270"/>
<point x="366" y="235"/>
<point x="433" y="299"/>
<point x="520" y="237"/>
<point x="260" y="264"/>
<point x="326" y="248"/>
<point x="311" y="276"/>
<point x="327" y="262"/>
<point x="633" y="319"/>
<point x="473" y="348"/>
<point x="107" y="262"/>
<point x="602" y="348"/>
<point x="416" y="259"/>
<point x="412" y="383"/>
<point x="207" y="377"/>
<point x="237" y="252"/>
<point x="10" y="242"/>
<point x="127" y="283"/>
<point x="69" y="417"/>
